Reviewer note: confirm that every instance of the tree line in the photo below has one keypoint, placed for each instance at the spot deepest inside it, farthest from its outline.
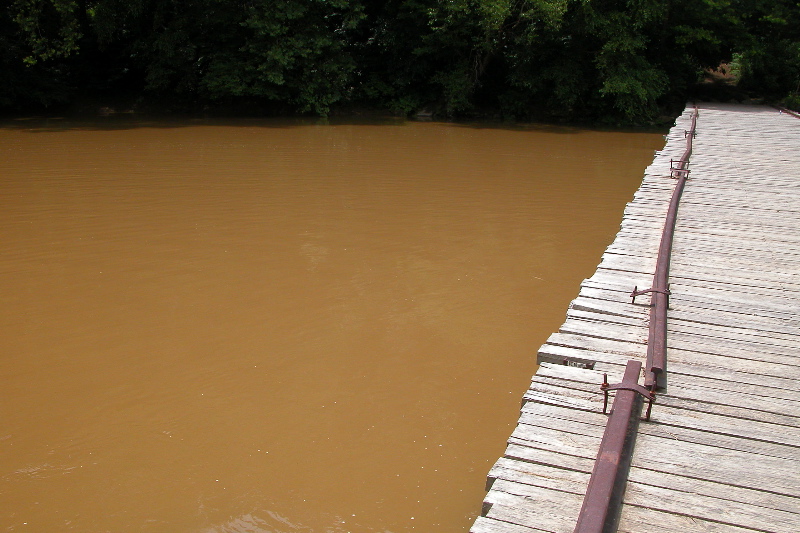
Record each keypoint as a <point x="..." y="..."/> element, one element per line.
<point x="619" y="60"/>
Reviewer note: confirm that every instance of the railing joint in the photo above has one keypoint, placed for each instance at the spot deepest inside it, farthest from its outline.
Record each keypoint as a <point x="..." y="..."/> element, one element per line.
<point x="676" y="172"/>
<point x="647" y="393"/>
<point x="636" y="292"/>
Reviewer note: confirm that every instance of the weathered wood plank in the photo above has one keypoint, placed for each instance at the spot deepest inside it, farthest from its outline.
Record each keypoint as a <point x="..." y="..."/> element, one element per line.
<point x="489" y="525"/>
<point x="738" y="331"/>
<point x="575" y="482"/>
<point x="722" y="419"/>
<point x="717" y="401"/>
<point x="588" y="424"/>
<point x="700" y="355"/>
<point x="668" y="415"/>
<point x="677" y="457"/>
<point x="554" y="510"/>
<point x="688" y="312"/>
<point x="743" y="381"/>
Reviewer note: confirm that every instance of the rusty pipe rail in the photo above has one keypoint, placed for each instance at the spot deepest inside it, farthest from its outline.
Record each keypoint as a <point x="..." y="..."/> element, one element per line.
<point x="603" y="500"/>
<point x="656" y="365"/>
<point x="601" y="504"/>
<point x="788" y="112"/>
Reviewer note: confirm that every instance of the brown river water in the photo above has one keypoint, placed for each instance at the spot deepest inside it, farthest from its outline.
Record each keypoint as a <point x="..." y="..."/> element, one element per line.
<point x="283" y="327"/>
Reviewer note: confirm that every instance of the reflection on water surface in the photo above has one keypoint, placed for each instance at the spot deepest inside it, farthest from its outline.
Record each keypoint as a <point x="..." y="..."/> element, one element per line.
<point x="280" y="327"/>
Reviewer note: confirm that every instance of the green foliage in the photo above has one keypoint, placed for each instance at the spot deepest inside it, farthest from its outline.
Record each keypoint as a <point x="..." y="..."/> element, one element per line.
<point x="35" y="38"/>
<point x="611" y="60"/>
<point x="50" y="28"/>
<point x="769" y="65"/>
<point x="630" y="79"/>
<point x="792" y="101"/>
<point x="294" y="51"/>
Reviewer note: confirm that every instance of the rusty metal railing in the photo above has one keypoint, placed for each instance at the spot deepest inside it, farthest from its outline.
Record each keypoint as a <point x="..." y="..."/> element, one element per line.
<point x="788" y="112"/>
<point x="602" y="503"/>
<point x="656" y="366"/>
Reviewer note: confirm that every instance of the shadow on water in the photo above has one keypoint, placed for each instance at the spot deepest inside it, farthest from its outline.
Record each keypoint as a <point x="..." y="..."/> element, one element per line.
<point x="130" y="121"/>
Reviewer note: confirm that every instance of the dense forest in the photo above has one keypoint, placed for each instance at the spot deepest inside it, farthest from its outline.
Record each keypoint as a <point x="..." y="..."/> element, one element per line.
<point x="623" y="61"/>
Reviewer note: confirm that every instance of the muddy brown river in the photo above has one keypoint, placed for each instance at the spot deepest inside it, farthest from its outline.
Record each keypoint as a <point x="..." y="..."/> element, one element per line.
<point x="282" y="326"/>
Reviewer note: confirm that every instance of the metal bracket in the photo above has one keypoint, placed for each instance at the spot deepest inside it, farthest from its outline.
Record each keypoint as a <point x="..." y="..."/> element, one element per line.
<point x="578" y="363"/>
<point x="636" y="292"/>
<point x="686" y="133"/>
<point x="675" y="172"/>
<point x="648" y="394"/>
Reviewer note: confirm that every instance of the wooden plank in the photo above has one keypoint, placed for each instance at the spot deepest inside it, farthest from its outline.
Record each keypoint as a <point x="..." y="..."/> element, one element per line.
<point x="677" y="457"/>
<point x="489" y="525"/>
<point x="744" y="381"/>
<point x="554" y="510"/>
<point x="668" y="415"/>
<point x="737" y="331"/>
<point x="683" y="412"/>
<point x="732" y="274"/>
<point x="571" y="422"/>
<point x="725" y="300"/>
<point x="605" y="330"/>
<point x="702" y="354"/>
<point x="718" y="401"/>
<point x="685" y="313"/>
<point x="707" y="507"/>
<point x="769" y="297"/>
<point x="577" y="426"/>
<point x="575" y="481"/>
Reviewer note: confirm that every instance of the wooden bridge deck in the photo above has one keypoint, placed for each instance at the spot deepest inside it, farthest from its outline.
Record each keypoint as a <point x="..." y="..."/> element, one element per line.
<point x="722" y="450"/>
